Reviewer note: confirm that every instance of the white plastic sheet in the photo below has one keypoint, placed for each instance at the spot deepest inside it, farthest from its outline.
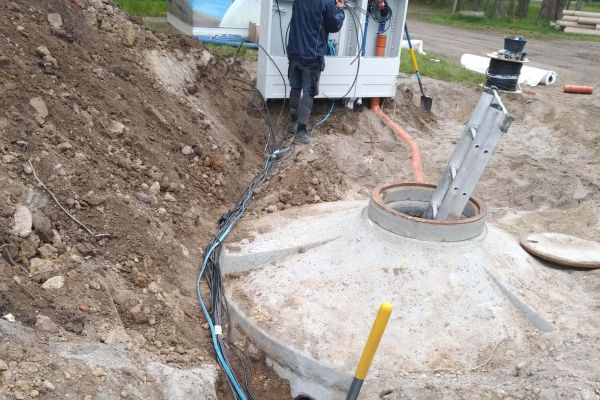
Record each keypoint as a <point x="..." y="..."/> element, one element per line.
<point x="530" y="76"/>
<point x="417" y="45"/>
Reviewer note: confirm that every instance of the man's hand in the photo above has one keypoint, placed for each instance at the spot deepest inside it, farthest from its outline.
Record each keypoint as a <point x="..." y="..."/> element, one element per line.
<point x="339" y="3"/>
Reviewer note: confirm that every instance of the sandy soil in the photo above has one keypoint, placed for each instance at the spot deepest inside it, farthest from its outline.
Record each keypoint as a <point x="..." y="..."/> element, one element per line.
<point x="141" y="136"/>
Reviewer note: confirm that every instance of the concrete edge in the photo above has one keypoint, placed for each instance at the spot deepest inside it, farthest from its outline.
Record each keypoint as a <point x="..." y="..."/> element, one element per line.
<point x="305" y="367"/>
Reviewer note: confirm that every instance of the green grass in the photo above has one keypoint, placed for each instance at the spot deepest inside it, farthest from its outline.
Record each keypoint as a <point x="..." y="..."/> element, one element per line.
<point x="144" y="8"/>
<point x="530" y="26"/>
<point x="444" y="69"/>
<point x="229" y="51"/>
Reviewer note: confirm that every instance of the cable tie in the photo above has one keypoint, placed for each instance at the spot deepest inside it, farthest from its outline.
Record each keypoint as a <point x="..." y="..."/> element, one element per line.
<point x="218" y="330"/>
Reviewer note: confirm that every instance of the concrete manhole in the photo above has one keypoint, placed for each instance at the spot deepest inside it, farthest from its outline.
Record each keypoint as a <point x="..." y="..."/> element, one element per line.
<point x="307" y="286"/>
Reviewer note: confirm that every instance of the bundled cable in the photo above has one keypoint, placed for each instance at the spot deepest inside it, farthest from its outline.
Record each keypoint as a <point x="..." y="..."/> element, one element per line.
<point x="503" y="74"/>
<point x="213" y="303"/>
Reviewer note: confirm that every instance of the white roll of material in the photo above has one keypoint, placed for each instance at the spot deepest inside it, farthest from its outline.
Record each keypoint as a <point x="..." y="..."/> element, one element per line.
<point x="530" y="76"/>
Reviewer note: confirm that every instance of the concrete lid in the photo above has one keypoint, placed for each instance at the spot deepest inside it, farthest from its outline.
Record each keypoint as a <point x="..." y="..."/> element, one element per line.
<point x="565" y="250"/>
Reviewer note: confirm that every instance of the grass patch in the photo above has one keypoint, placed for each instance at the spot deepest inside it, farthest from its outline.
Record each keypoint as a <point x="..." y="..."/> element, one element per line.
<point x="530" y="26"/>
<point x="443" y="69"/>
<point x="230" y="51"/>
<point x="144" y="8"/>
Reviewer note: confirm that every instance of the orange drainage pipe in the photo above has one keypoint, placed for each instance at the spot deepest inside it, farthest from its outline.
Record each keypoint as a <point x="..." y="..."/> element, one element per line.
<point x="578" y="89"/>
<point x="401" y="133"/>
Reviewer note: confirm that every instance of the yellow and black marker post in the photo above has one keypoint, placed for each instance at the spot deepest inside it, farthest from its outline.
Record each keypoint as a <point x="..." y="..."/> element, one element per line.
<point x="383" y="316"/>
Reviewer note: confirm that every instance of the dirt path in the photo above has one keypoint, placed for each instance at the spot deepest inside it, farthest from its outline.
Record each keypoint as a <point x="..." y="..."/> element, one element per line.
<point x="574" y="61"/>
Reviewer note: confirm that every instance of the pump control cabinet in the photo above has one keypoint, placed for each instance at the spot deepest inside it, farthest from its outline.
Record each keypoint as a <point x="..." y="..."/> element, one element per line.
<point x="352" y="69"/>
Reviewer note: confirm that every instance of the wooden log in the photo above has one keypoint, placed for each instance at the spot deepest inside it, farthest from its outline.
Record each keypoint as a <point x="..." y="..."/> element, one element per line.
<point x="598" y="27"/>
<point x="583" y="30"/>
<point x="568" y="12"/>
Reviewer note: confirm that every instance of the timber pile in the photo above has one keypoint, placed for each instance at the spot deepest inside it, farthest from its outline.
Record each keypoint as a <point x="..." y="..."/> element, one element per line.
<point x="580" y="22"/>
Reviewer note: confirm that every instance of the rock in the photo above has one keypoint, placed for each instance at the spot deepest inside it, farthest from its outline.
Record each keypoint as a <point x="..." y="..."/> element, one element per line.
<point x="23" y="221"/>
<point x="124" y="298"/>
<point x="39" y="266"/>
<point x="84" y="308"/>
<point x="116" y="127"/>
<point x="272" y="208"/>
<point x="204" y="59"/>
<point x="316" y="199"/>
<point x="187" y="150"/>
<point x="99" y="371"/>
<point x="3" y="365"/>
<point x="41" y="111"/>
<point x="55" y="20"/>
<point x="155" y="188"/>
<point x="9" y="159"/>
<point x="144" y="197"/>
<point x="42" y="51"/>
<point x="42" y="226"/>
<point x="4" y="61"/>
<point x="137" y="314"/>
<point x="206" y="162"/>
<point x="27" y="249"/>
<point x="170" y="197"/>
<point x="12" y="6"/>
<point x="314" y="181"/>
<point x="64" y="146"/>
<point x="47" y="251"/>
<point x="34" y="393"/>
<point x="271" y="198"/>
<point x="21" y="30"/>
<point x="86" y="249"/>
<point x="179" y="54"/>
<point x="27" y="169"/>
<point x="154" y="287"/>
<point x="48" y="385"/>
<point x="54" y="283"/>
<point x="129" y="37"/>
<point x="285" y="196"/>
<point x="45" y="324"/>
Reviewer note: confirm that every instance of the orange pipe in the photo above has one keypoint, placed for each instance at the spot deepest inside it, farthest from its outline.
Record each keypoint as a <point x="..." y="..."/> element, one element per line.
<point x="405" y="137"/>
<point x="380" y="43"/>
<point x="578" y="89"/>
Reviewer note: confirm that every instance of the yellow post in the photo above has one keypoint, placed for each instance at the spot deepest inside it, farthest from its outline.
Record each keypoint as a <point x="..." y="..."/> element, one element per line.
<point x="383" y="316"/>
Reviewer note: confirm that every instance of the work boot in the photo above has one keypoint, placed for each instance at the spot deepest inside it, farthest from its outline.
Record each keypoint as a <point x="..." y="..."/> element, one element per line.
<point x="302" y="137"/>
<point x="292" y="127"/>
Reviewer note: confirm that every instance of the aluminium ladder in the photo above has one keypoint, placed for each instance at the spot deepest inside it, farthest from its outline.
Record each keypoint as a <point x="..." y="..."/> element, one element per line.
<point x="488" y="122"/>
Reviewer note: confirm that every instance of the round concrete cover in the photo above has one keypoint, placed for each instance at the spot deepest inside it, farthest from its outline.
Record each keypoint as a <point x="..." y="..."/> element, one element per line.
<point x="562" y="249"/>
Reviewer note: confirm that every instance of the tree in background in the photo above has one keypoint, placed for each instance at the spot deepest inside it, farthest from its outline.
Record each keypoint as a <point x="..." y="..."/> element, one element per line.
<point x="522" y="9"/>
<point x="552" y="9"/>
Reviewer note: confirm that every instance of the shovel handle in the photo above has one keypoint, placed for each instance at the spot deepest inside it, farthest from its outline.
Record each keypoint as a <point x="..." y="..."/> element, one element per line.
<point x="413" y="57"/>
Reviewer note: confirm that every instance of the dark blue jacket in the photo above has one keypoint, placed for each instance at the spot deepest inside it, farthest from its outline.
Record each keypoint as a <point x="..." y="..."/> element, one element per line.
<point x="312" y="22"/>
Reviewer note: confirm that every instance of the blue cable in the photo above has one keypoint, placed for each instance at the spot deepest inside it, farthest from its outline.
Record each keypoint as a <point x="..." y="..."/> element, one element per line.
<point x="219" y="239"/>
<point x="321" y="122"/>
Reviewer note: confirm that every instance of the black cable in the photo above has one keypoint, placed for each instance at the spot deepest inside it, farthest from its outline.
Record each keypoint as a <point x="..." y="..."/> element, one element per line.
<point x="281" y="28"/>
<point x="503" y="74"/>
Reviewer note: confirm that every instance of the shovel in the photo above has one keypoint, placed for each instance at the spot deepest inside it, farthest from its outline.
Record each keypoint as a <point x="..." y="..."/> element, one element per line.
<point x="426" y="101"/>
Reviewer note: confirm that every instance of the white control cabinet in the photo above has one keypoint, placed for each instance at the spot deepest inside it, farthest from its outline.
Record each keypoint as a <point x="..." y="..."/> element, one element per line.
<point x="375" y="76"/>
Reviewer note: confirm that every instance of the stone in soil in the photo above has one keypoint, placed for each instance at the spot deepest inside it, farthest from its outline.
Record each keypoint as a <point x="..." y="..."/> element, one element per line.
<point x="40" y="109"/>
<point x="45" y="324"/>
<point x="54" y="283"/>
<point x="23" y="221"/>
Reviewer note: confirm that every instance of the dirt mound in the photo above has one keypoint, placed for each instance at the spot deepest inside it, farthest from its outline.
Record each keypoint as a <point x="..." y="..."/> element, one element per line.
<point x="141" y="139"/>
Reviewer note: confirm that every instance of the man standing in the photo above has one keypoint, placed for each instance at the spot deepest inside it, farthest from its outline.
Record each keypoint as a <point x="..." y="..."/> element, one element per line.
<point x="312" y="22"/>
